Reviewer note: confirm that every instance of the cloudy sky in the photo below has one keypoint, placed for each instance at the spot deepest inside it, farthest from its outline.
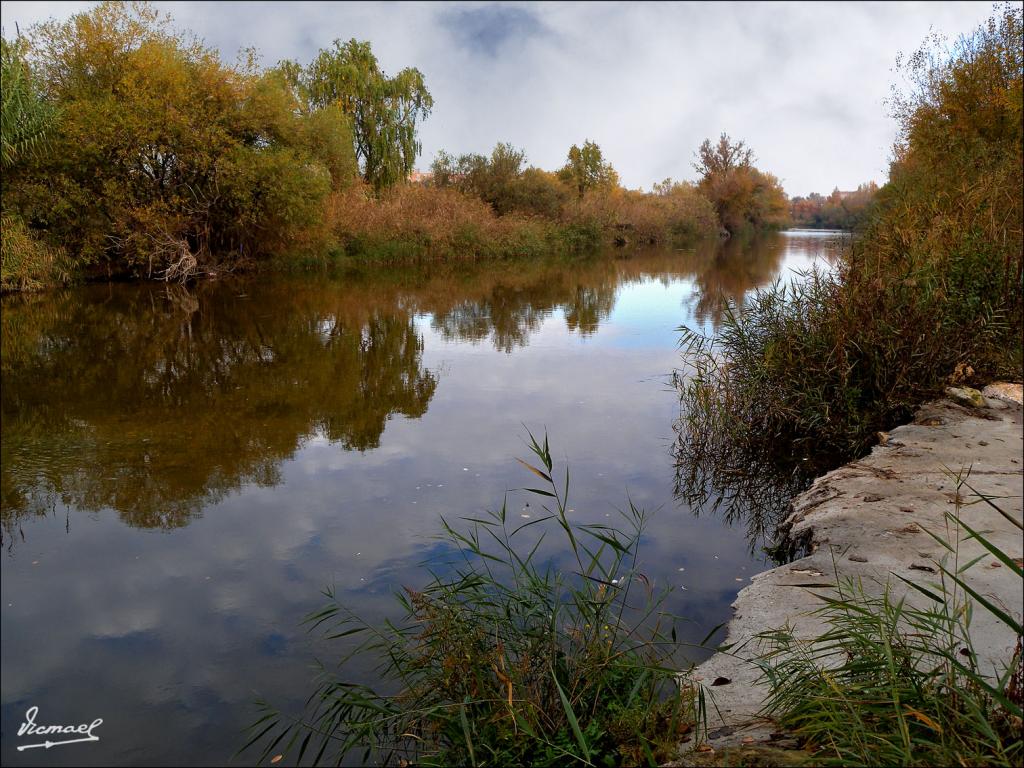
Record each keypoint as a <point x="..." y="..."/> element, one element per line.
<point x="803" y="83"/>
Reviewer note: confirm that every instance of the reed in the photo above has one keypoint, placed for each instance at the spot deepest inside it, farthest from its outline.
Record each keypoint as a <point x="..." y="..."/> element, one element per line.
<point x="896" y="680"/>
<point x="504" y="659"/>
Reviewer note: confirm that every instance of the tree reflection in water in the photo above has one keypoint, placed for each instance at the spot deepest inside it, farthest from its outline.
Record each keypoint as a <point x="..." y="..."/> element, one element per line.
<point x="713" y="475"/>
<point x="157" y="401"/>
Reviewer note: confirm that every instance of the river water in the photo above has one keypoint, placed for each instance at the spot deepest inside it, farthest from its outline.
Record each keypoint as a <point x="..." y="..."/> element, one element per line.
<point x="185" y="469"/>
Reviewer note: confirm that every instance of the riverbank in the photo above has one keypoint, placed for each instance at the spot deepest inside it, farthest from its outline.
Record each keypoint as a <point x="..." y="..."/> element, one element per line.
<point x="867" y="520"/>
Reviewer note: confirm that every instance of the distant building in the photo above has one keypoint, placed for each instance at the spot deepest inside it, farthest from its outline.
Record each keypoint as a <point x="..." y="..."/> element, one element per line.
<point x="420" y="177"/>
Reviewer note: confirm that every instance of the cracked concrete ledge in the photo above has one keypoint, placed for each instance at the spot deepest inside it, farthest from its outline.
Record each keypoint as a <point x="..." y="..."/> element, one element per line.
<point x="864" y="521"/>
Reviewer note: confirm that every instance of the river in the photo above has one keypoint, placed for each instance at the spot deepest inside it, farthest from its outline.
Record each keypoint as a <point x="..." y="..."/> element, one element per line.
<point x="184" y="469"/>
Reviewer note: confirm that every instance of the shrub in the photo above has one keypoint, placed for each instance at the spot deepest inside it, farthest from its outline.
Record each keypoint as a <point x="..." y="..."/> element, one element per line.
<point x="412" y="221"/>
<point x="26" y="118"/>
<point x="583" y="198"/>
<point x="680" y="213"/>
<point x="27" y="263"/>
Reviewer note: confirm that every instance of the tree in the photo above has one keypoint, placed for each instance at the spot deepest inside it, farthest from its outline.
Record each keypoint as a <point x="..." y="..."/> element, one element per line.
<point x="586" y="169"/>
<point x="768" y="207"/>
<point x="539" y="193"/>
<point x="722" y="158"/>
<point x="164" y="159"/>
<point x="743" y="196"/>
<point x="506" y="162"/>
<point x="384" y="110"/>
<point x="497" y="180"/>
<point x="840" y="210"/>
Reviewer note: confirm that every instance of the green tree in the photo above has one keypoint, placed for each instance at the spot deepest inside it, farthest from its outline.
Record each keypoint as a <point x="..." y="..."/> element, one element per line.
<point x="384" y="110"/>
<point x="539" y="193"/>
<point x="497" y="180"/>
<point x="586" y="169"/>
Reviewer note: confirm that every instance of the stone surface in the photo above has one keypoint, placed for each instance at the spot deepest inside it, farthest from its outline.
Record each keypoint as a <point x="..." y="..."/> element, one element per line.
<point x="910" y="488"/>
<point x="1003" y="390"/>
<point x="966" y="396"/>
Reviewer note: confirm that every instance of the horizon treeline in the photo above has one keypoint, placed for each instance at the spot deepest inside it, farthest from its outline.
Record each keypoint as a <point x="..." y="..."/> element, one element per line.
<point x="131" y="149"/>
<point x="839" y="210"/>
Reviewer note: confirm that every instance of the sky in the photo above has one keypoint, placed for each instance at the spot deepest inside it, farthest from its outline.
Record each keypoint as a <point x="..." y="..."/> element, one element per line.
<point x="804" y="84"/>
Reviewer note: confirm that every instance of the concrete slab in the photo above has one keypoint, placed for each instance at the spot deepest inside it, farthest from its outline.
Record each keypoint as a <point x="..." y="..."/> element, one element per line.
<point x="865" y="520"/>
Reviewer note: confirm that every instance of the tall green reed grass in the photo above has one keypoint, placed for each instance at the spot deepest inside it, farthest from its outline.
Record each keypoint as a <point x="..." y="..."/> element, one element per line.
<point x="504" y="659"/>
<point x="897" y="680"/>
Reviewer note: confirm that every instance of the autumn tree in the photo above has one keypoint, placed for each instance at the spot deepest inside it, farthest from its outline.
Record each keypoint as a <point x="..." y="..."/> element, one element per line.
<point x="585" y="169"/>
<point x="717" y="160"/>
<point x="384" y="111"/>
<point x="165" y="161"/>
<point x="502" y="180"/>
<point x="743" y="196"/>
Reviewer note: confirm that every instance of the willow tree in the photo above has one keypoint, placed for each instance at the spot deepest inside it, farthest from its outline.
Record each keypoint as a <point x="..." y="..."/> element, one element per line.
<point x="384" y="110"/>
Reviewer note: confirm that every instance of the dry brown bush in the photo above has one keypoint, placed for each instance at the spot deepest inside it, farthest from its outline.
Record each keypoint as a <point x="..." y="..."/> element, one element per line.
<point x="637" y="217"/>
<point x="434" y="222"/>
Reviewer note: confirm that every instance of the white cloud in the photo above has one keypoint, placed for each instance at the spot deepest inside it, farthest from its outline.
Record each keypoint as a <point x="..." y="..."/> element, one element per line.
<point x="802" y="83"/>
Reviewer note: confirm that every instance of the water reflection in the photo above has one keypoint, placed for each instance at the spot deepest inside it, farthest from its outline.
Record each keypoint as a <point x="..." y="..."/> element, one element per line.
<point x="158" y="401"/>
<point x="725" y="274"/>
<point x="725" y="482"/>
<point x="754" y="496"/>
<point x="267" y="437"/>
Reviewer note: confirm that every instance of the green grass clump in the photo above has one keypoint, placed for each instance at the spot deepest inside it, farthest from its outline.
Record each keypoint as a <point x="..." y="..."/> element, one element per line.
<point x="26" y="263"/>
<point x="889" y="683"/>
<point x="504" y="659"/>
